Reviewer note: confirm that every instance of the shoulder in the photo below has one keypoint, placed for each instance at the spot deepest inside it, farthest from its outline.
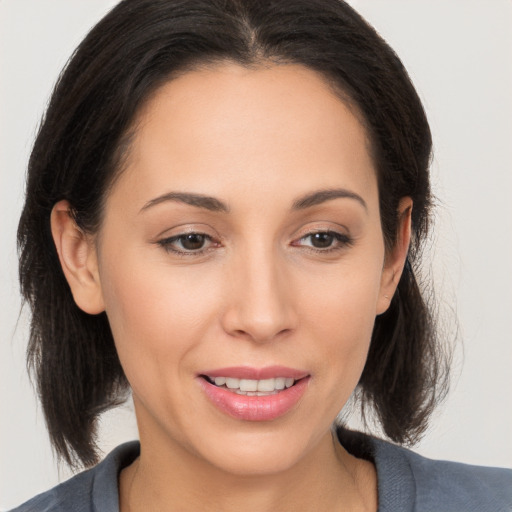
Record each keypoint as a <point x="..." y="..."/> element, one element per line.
<point x="482" y="488"/>
<point x="92" y="490"/>
<point x="441" y="485"/>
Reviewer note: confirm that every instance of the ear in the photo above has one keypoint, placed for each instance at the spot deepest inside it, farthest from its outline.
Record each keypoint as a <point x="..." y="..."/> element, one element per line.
<point x="78" y="258"/>
<point x="395" y="259"/>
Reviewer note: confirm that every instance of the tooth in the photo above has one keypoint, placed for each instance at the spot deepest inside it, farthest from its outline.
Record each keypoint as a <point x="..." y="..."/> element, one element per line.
<point x="266" y="385"/>
<point x="248" y="385"/>
<point x="220" y="381"/>
<point x="232" y="383"/>
<point x="289" y="382"/>
<point x="280" y="382"/>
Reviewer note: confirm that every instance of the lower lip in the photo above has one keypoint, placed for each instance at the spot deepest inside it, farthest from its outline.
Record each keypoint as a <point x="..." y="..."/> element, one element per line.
<point x="254" y="408"/>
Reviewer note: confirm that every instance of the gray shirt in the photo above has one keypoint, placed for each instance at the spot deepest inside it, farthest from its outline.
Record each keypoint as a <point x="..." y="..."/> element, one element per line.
<point x="407" y="482"/>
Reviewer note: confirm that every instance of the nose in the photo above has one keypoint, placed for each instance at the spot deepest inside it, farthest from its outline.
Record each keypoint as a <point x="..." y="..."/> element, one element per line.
<point x="260" y="306"/>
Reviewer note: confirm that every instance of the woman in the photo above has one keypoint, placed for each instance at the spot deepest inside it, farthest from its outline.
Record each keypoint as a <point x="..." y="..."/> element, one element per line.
<point x="225" y="206"/>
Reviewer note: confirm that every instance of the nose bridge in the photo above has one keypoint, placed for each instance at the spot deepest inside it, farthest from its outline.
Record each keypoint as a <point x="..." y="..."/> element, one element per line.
<point x="260" y="306"/>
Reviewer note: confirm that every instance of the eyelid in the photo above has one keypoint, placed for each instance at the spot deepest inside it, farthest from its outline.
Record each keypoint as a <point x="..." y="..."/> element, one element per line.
<point x="338" y="229"/>
<point x="166" y="241"/>
<point x="186" y="229"/>
<point x="344" y="240"/>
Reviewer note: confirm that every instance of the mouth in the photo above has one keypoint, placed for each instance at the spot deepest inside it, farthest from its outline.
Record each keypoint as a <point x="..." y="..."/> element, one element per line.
<point x="255" y="394"/>
<point x="251" y="387"/>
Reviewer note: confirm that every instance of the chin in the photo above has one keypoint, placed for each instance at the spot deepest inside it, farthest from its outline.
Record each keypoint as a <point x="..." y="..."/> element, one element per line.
<point x="269" y="451"/>
<point x="257" y="462"/>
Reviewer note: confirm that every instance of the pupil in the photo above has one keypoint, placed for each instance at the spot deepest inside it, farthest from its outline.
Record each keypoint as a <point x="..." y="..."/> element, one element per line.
<point x="322" y="240"/>
<point x="193" y="241"/>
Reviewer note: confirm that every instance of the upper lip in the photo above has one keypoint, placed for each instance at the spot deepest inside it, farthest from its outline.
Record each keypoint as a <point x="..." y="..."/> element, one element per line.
<point x="248" y="372"/>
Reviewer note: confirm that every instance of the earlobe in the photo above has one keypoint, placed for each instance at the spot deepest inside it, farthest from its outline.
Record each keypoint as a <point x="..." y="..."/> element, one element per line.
<point x="395" y="260"/>
<point x="77" y="255"/>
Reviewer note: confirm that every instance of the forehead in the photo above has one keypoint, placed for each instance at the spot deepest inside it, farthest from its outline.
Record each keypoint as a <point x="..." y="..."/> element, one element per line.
<point x="227" y="126"/>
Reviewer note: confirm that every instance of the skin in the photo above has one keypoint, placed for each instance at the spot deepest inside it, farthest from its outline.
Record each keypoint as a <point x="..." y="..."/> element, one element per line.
<point x="259" y="294"/>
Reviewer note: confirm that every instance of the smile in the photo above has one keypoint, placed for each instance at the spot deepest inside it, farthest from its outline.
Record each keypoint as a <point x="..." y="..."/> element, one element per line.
<point x="252" y="387"/>
<point x="254" y="394"/>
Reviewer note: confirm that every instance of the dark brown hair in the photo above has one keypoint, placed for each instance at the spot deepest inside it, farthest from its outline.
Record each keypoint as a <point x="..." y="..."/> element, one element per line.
<point x="136" y="48"/>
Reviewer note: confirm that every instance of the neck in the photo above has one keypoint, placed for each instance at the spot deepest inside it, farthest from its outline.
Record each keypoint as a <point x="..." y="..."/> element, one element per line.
<point x="327" y="478"/>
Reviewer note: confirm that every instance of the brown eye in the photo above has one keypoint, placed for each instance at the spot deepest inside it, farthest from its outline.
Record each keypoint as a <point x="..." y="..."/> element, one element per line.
<point x="192" y="241"/>
<point x="325" y="241"/>
<point x="187" y="243"/>
<point x="322" y="240"/>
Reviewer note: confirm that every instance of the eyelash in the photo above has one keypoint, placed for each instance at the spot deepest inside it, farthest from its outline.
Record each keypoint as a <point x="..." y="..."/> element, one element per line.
<point x="342" y="240"/>
<point x="166" y="244"/>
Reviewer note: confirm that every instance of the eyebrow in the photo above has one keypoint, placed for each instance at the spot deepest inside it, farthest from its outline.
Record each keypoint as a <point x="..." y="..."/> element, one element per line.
<point x="215" y="205"/>
<point x="201" y="201"/>
<point x="321" y="196"/>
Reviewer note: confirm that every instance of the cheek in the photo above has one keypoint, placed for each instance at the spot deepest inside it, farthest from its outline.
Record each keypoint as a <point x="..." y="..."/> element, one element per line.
<point x="156" y="315"/>
<point x="340" y="315"/>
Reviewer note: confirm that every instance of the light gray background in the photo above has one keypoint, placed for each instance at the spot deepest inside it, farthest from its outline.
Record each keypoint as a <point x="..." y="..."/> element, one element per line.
<point x="459" y="54"/>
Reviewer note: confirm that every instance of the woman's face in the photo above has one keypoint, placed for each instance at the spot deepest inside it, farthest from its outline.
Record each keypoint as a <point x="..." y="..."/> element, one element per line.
<point x="243" y="241"/>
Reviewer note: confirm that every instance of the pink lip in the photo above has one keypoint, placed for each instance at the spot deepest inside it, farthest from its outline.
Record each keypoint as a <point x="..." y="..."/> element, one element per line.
<point x="247" y="372"/>
<point x="255" y="408"/>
